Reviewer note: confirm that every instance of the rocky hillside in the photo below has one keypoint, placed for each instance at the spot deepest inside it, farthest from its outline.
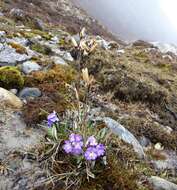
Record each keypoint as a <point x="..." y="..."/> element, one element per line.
<point x="129" y="94"/>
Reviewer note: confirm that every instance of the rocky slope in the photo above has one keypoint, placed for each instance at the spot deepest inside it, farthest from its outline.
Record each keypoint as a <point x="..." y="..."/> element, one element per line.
<point x="134" y="94"/>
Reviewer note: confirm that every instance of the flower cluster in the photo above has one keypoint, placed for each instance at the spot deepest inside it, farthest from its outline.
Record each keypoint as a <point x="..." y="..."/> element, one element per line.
<point x="75" y="146"/>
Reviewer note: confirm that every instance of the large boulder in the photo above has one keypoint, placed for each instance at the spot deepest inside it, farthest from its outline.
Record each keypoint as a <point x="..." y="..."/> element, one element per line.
<point x="9" y="100"/>
<point x="123" y="134"/>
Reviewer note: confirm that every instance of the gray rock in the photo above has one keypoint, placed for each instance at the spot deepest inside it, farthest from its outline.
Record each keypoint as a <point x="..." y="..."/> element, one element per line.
<point x="1" y="14"/>
<point x="58" y="60"/>
<point x="54" y="40"/>
<point x="22" y="41"/>
<point x="67" y="56"/>
<point x="77" y="38"/>
<point x="30" y="66"/>
<point x="102" y="43"/>
<point x="30" y="92"/>
<point x="161" y="184"/>
<point x="9" y="56"/>
<point x="2" y="33"/>
<point x="17" y="13"/>
<point x="125" y="135"/>
<point x="39" y="24"/>
<point x="144" y="141"/>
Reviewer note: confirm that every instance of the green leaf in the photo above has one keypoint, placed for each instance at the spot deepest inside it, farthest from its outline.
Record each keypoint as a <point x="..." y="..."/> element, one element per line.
<point x="49" y="132"/>
<point x="102" y="133"/>
<point x="54" y="133"/>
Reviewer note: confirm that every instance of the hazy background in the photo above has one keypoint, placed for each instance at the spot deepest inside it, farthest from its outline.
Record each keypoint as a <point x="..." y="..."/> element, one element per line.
<point x="152" y="20"/>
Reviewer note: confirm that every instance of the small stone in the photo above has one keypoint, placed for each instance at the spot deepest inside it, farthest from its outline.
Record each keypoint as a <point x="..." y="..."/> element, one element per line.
<point x="67" y="56"/>
<point x="58" y="60"/>
<point x="161" y="184"/>
<point x="2" y="33"/>
<point x="9" y="100"/>
<point x="158" y="146"/>
<point x="30" y="93"/>
<point x="14" y="91"/>
<point x="121" y="51"/>
<point x="30" y="66"/>
<point x="102" y="43"/>
<point x="39" y="24"/>
<point x="55" y="39"/>
<point x="1" y="14"/>
<point x="17" y="13"/>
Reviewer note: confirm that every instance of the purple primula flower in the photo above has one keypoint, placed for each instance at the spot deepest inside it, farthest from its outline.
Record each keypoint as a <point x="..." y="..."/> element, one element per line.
<point x="100" y="149"/>
<point x="90" y="154"/>
<point x="74" y="144"/>
<point x="91" y="141"/>
<point x="77" y="147"/>
<point x="52" y="118"/>
<point x="77" y="150"/>
<point x="67" y="147"/>
<point x="75" y="137"/>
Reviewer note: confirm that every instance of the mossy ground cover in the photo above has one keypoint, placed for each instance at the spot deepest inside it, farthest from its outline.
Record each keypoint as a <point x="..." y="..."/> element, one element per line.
<point x="56" y="95"/>
<point x="11" y="77"/>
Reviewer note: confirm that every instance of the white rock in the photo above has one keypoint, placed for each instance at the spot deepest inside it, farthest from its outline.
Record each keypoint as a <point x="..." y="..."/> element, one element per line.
<point x="9" y="100"/>
<point x="30" y="66"/>
<point x="58" y="60"/>
<point x="161" y="184"/>
<point x="121" y="51"/>
<point x="67" y="56"/>
<point x="124" y="134"/>
<point x="9" y="56"/>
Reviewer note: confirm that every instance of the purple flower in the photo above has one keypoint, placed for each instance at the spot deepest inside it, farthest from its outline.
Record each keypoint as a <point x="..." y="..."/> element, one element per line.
<point x="90" y="153"/>
<point x="77" y="150"/>
<point x="67" y="147"/>
<point x="100" y="149"/>
<point x="77" y="147"/>
<point x="52" y="118"/>
<point x="91" y="141"/>
<point x="74" y="144"/>
<point x="75" y="137"/>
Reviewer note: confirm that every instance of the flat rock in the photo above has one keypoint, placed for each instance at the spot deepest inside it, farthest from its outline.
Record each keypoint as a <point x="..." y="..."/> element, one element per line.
<point x="30" y="66"/>
<point x="161" y="184"/>
<point x="16" y="140"/>
<point x="67" y="56"/>
<point x="9" y="100"/>
<point x="125" y="135"/>
<point x="19" y="40"/>
<point x="30" y="92"/>
<point x="58" y="60"/>
<point x="9" y="56"/>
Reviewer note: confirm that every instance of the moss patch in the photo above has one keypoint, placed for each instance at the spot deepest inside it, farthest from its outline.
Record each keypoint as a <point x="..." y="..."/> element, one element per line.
<point x="11" y="77"/>
<point x="19" y="48"/>
<point x="41" y="49"/>
<point x="140" y="127"/>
